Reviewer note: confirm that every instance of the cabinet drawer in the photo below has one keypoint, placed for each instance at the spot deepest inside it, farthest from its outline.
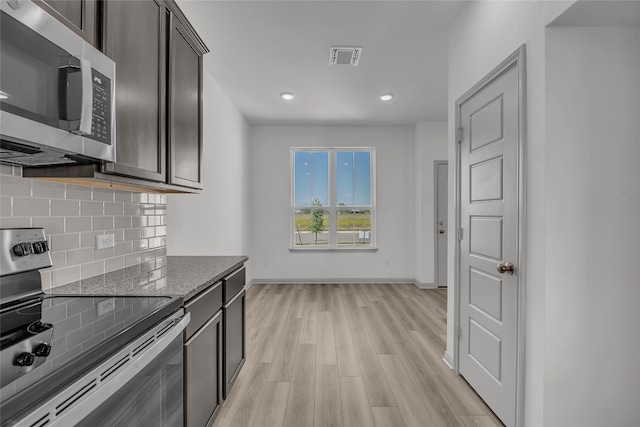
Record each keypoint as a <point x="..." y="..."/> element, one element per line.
<point x="232" y="284"/>
<point x="202" y="307"/>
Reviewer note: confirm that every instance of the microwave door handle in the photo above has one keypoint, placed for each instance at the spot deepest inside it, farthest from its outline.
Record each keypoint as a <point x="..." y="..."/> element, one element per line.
<point x="86" y="114"/>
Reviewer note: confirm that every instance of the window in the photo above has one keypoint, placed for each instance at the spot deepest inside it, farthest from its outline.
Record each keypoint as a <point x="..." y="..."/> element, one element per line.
<point x="332" y="198"/>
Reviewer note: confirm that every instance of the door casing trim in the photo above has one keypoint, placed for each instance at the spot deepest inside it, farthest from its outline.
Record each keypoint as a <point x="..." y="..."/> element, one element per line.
<point x="436" y="205"/>
<point x="516" y="59"/>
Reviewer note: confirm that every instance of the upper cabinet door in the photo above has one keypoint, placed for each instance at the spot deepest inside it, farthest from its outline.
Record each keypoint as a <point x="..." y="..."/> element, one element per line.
<point x="79" y="15"/>
<point x="135" y="38"/>
<point x="185" y="114"/>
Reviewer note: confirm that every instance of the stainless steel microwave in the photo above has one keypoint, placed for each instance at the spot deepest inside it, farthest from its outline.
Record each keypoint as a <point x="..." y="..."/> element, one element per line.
<point x="57" y="92"/>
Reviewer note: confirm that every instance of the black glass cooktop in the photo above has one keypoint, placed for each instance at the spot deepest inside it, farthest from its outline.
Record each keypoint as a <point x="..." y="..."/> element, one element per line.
<point x="47" y="340"/>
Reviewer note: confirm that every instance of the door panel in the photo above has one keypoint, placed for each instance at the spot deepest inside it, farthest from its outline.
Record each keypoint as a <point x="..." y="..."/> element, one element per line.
<point x="486" y="180"/>
<point x="486" y="124"/>
<point x="489" y="210"/>
<point x="485" y="293"/>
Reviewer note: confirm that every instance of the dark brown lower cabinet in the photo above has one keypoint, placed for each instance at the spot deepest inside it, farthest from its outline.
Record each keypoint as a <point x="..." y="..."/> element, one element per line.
<point x="233" y="314"/>
<point x="203" y="358"/>
<point x="202" y="372"/>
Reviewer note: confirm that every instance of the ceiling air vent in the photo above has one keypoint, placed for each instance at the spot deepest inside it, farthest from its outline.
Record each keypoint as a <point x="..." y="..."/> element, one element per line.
<point x="344" y="55"/>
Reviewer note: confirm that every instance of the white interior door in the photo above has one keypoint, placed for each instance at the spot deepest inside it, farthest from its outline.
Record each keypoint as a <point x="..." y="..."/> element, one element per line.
<point x="488" y="275"/>
<point x="442" y="229"/>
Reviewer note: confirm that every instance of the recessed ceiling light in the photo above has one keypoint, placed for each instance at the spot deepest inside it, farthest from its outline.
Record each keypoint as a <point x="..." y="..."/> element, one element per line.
<point x="287" y="96"/>
<point x="386" y="96"/>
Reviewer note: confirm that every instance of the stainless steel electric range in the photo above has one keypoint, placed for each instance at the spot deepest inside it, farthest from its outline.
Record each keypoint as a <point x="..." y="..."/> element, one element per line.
<point x="83" y="360"/>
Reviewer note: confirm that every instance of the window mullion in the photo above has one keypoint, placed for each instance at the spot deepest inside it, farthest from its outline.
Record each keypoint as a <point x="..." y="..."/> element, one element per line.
<point x="332" y="199"/>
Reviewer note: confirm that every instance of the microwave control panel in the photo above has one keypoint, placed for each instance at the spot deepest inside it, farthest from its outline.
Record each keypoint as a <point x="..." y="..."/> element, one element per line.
<point x="101" y="122"/>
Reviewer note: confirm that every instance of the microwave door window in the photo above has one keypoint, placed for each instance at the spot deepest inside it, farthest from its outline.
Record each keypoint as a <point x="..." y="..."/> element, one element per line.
<point x="29" y="75"/>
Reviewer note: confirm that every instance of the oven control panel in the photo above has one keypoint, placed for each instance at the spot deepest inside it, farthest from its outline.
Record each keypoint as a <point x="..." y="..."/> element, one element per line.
<point x="23" y="249"/>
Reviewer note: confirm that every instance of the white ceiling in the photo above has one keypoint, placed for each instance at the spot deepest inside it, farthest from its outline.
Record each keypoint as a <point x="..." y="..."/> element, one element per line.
<point x="262" y="48"/>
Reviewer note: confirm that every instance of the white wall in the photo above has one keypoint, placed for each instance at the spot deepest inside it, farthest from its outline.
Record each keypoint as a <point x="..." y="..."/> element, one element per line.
<point x="592" y="349"/>
<point x="482" y="36"/>
<point x="430" y="145"/>
<point x="270" y="205"/>
<point x="215" y="222"/>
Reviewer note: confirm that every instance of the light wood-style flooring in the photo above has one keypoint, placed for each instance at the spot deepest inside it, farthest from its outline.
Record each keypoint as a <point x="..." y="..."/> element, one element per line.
<point x="349" y="355"/>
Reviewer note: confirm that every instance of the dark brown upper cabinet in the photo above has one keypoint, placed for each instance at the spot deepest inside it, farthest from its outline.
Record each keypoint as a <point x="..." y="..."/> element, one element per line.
<point x="185" y="108"/>
<point x="135" y="37"/>
<point x="81" y="16"/>
<point x="158" y="101"/>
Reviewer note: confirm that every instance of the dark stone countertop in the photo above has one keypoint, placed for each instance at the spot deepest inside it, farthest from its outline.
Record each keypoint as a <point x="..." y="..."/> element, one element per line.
<point x="186" y="276"/>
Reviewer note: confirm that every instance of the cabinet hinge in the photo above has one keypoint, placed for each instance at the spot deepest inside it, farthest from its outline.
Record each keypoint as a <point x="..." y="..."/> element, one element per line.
<point x="459" y="135"/>
<point x="460" y="234"/>
<point x="458" y="331"/>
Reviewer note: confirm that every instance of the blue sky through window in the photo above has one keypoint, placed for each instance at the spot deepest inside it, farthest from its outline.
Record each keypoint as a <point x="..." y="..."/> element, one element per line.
<point x="353" y="177"/>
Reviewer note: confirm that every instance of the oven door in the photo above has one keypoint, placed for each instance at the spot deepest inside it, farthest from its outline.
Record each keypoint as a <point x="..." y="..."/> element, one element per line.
<point x="153" y="397"/>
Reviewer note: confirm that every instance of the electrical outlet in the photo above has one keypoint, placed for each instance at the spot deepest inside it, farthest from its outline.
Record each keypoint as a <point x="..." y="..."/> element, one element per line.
<point x="105" y="307"/>
<point x="265" y="264"/>
<point x="387" y="263"/>
<point x="104" y="241"/>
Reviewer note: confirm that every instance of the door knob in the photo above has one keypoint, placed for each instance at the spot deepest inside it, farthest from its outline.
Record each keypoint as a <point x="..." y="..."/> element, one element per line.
<point x="441" y="232"/>
<point x="505" y="268"/>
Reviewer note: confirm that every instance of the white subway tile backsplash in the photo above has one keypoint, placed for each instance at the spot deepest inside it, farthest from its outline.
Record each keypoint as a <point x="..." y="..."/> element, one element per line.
<point x="79" y="256"/>
<point x="45" y="278"/>
<point x="61" y="242"/>
<point x="91" y="208"/>
<point x="102" y="223"/>
<point x="122" y="222"/>
<point x="88" y="239"/>
<point x="131" y="234"/>
<point x="78" y="224"/>
<point x="147" y="232"/>
<point x="104" y="253"/>
<point x="78" y="192"/>
<point x="132" y="209"/>
<point x="23" y="206"/>
<point x="103" y="194"/>
<point x="15" y="222"/>
<point x="65" y="207"/>
<point x="51" y="225"/>
<point x="114" y="208"/>
<point x="15" y="186"/>
<point x="63" y="276"/>
<point x="124" y="196"/>
<point x="139" y="221"/>
<point x="59" y="259"/>
<point x="140" y="197"/>
<point x="5" y="206"/>
<point x="51" y="190"/>
<point x="91" y="269"/>
<point x="140" y="245"/>
<point x="124" y="248"/>
<point x="132" y="259"/>
<point x="6" y="170"/>
<point x="113" y="264"/>
<point x="73" y="215"/>
<point x="118" y="235"/>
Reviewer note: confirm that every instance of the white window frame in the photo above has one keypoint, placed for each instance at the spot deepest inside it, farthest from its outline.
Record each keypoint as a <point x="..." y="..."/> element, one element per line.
<point x="333" y="208"/>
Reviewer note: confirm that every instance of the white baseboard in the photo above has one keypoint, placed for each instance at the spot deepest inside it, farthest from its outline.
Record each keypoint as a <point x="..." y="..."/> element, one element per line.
<point x="448" y="360"/>
<point x="425" y="285"/>
<point x="415" y="282"/>
<point x="328" y="281"/>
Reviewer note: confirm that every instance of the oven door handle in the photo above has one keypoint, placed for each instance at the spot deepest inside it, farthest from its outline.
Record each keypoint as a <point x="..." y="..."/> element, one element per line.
<point x="73" y="404"/>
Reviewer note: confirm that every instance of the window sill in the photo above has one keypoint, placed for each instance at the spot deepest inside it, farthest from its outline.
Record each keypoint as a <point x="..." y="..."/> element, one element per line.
<point x="347" y="249"/>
